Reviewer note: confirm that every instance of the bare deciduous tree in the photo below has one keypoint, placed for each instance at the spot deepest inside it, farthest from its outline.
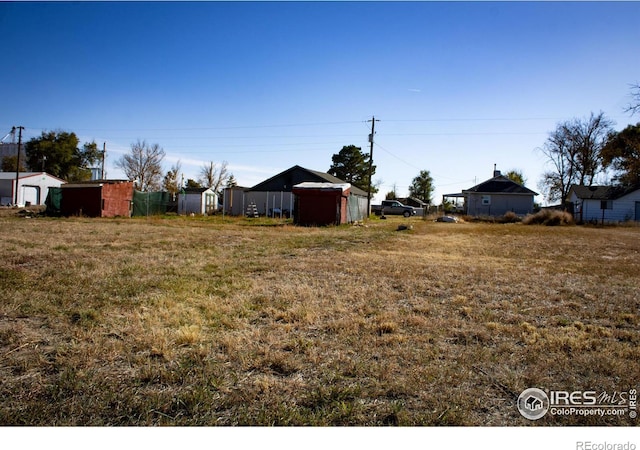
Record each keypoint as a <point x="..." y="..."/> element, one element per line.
<point x="634" y="106"/>
<point x="143" y="164"/>
<point x="214" y="176"/>
<point x="573" y="150"/>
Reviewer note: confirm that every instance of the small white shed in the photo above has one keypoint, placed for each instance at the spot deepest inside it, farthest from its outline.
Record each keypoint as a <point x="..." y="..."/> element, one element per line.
<point x="33" y="187"/>
<point x="604" y="203"/>
<point x="197" y="201"/>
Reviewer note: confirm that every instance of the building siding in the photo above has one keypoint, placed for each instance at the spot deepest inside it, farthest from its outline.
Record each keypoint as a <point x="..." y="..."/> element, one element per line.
<point x="499" y="204"/>
<point x="108" y="199"/>
<point x="321" y="206"/>
<point x="32" y="187"/>
<point x="85" y="201"/>
<point x="623" y="208"/>
<point x="267" y="201"/>
<point x="116" y="199"/>
<point x="196" y="202"/>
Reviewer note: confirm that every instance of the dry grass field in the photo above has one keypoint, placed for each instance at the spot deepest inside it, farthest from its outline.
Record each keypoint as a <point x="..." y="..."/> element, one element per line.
<point x="211" y="321"/>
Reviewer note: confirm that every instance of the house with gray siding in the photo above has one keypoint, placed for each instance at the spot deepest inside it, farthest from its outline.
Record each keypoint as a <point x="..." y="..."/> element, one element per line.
<point x="498" y="196"/>
<point x="604" y="204"/>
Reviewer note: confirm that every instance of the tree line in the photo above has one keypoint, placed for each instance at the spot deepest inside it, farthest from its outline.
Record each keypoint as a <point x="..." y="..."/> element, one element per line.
<point x="577" y="151"/>
<point x="59" y="153"/>
<point x="143" y="165"/>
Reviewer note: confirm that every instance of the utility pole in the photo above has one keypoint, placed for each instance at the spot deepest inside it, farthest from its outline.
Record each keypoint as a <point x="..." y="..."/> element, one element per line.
<point x="18" y="162"/>
<point x="104" y="153"/>
<point x="373" y="124"/>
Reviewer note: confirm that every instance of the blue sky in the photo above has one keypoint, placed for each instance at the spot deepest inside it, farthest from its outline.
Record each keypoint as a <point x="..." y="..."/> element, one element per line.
<point x="457" y="86"/>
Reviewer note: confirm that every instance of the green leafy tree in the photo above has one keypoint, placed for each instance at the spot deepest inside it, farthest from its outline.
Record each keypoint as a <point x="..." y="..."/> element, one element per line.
<point x="352" y="166"/>
<point x="9" y="164"/>
<point x="392" y="194"/>
<point x="192" y="184"/>
<point x="62" y="157"/>
<point x="622" y="153"/>
<point x="231" y="181"/>
<point x="144" y="165"/>
<point x="516" y="176"/>
<point x="422" y="187"/>
<point x="171" y="183"/>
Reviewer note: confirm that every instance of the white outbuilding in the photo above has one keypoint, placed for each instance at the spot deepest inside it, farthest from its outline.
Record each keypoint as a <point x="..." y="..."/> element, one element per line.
<point x="197" y="201"/>
<point x="604" y="203"/>
<point x="32" y="187"/>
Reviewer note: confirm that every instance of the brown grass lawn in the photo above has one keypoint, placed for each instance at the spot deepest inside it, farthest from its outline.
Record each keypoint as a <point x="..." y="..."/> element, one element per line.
<point x="205" y="321"/>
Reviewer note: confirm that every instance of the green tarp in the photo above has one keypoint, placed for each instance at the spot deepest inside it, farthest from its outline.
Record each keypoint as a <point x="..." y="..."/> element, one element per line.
<point x="53" y="201"/>
<point x="152" y="203"/>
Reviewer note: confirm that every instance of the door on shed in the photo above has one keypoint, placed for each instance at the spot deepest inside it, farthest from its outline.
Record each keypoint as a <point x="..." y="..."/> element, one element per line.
<point x="637" y="211"/>
<point x="31" y="194"/>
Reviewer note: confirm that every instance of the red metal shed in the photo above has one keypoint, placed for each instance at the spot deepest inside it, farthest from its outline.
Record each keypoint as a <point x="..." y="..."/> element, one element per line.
<point x="100" y="198"/>
<point x="321" y="203"/>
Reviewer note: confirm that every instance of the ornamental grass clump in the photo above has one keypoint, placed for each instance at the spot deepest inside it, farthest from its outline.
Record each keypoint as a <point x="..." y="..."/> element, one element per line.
<point x="549" y="217"/>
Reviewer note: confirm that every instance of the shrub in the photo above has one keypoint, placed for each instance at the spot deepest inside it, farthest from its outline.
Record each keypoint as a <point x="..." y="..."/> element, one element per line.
<point x="510" y="217"/>
<point x="549" y="217"/>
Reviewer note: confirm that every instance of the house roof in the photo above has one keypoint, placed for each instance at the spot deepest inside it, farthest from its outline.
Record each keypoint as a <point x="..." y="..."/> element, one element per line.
<point x="94" y="183"/>
<point x="21" y="175"/>
<point x="500" y="185"/>
<point x="196" y="190"/>
<point x="303" y="175"/>
<point x="323" y="185"/>
<point x="599" y="192"/>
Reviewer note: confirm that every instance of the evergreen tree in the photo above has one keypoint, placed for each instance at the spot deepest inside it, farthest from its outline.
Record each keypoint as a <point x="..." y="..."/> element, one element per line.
<point x="352" y="166"/>
<point x="422" y="187"/>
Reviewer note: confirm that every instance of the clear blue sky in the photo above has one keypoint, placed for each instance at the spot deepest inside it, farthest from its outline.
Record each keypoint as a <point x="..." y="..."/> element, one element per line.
<point x="457" y="87"/>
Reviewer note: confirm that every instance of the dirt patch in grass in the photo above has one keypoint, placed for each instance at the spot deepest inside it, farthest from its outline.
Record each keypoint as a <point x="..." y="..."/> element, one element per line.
<point x="211" y="322"/>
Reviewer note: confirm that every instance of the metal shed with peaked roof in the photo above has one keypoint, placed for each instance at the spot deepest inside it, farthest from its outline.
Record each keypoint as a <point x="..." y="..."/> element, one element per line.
<point x="321" y="203"/>
<point x="32" y="187"/>
<point x="197" y="201"/>
<point x="274" y="196"/>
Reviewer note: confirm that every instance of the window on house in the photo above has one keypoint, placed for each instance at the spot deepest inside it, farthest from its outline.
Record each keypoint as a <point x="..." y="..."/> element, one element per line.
<point x="606" y="204"/>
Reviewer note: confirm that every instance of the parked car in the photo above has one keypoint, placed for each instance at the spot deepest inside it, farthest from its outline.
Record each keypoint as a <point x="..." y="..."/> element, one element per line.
<point x="393" y="207"/>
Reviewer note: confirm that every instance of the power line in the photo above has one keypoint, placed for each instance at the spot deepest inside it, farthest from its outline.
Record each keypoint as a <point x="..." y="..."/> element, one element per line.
<point x="396" y="156"/>
<point x="234" y="127"/>
<point x="480" y="133"/>
<point x="477" y="119"/>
